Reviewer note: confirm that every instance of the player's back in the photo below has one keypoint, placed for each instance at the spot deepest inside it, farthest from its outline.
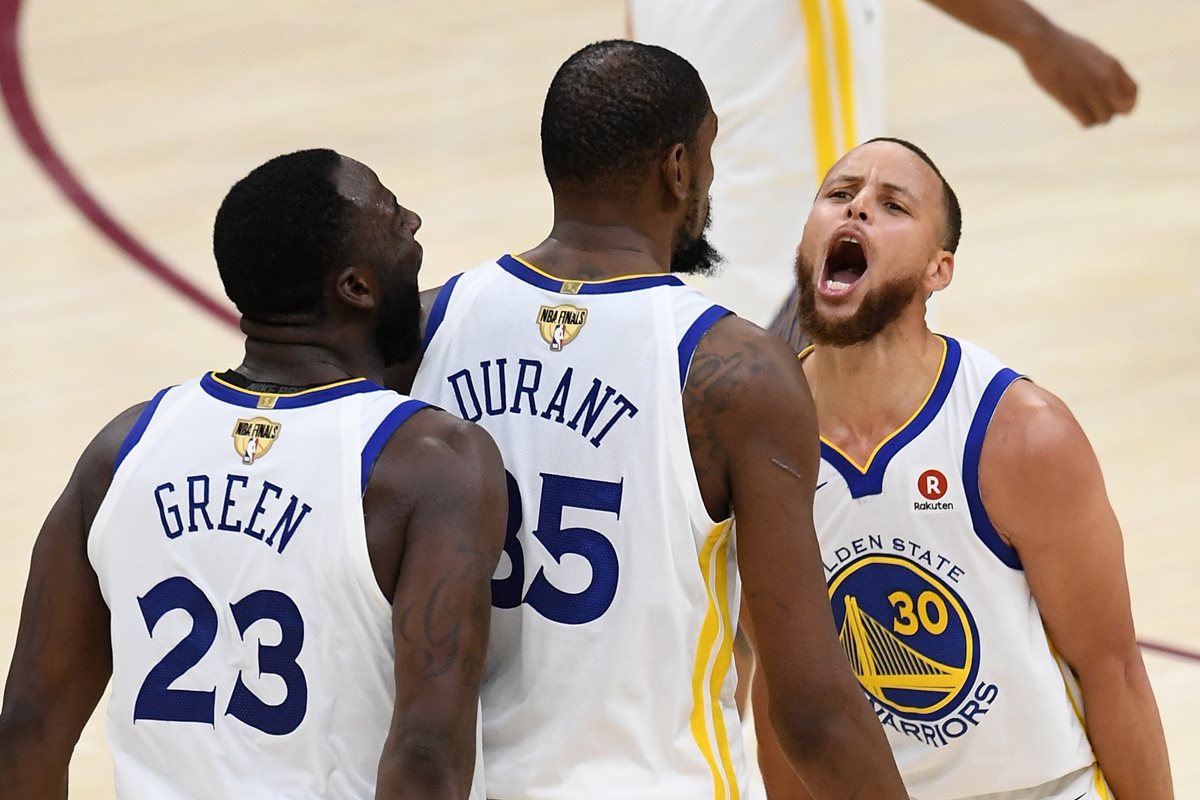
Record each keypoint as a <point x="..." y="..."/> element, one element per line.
<point x="609" y="668"/>
<point x="252" y="647"/>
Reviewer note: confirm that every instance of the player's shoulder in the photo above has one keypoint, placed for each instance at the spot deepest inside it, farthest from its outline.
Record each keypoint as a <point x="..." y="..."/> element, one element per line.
<point x="1032" y="429"/>
<point x="101" y="453"/>
<point x="736" y="359"/>
<point x="435" y="449"/>
<point x="94" y="471"/>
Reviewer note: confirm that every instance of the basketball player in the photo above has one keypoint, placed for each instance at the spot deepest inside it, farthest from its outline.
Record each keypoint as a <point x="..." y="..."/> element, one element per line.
<point x="629" y="437"/>
<point x="284" y="567"/>
<point x="973" y="560"/>
<point x="796" y="83"/>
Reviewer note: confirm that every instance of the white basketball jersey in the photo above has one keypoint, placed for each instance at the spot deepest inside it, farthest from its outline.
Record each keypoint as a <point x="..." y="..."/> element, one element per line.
<point x="932" y="605"/>
<point x="609" y="672"/>
<point x="252" y="648"/>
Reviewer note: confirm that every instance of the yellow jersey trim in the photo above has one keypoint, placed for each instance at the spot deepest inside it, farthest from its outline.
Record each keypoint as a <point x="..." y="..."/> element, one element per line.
<point x="545" y="274"/>
<point x="936" y="380"/>
<point x="229" y="385"/>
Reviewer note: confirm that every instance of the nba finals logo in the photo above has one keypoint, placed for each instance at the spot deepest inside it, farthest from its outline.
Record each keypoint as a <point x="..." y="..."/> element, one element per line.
<point x="252" y="438"/>
<point x="913" y="645"/>
<point x="560" y="325"/>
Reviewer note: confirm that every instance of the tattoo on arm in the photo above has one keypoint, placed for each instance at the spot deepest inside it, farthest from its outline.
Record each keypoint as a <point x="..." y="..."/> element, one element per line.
<point x="722" y="368"/>
<point x="436" y="626"/>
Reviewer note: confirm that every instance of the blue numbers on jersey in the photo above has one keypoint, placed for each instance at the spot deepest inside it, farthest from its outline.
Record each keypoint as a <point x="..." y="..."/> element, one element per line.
<point x="560" y="492"/>
<point x="277" y="659"/>
<point x="156" y="700"/>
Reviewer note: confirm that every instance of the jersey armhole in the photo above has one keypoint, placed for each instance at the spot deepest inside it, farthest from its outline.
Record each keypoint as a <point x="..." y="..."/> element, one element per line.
<point x="374" y="446"/>
<point x="980" y="521"/>
<point x="437" y="313"/>
<point x="139" y="428"/>
<point x="691" y="339"/>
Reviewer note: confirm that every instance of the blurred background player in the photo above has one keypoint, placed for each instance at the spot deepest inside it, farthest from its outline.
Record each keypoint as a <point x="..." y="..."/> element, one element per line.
<point x="282" y="566"/>
<point x="628" y="445"/>
<point x="797" y="83"/>
<point x="975" y="565"/>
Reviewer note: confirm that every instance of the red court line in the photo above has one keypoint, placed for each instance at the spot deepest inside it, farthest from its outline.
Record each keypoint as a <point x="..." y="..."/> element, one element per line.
<point x="1165" y="649"/>
<point x="33" y="136"/>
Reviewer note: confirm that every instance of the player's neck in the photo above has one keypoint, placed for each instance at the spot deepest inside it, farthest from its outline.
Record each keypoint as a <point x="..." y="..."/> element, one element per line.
<point x="299" y="356"/>
<point x="865" y="392"/>
<point x="599" y="238"/>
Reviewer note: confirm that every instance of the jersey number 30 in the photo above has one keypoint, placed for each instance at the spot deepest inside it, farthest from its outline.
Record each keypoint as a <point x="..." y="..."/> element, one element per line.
<point x="559" y="492"/>
<point x="157" y="700"/>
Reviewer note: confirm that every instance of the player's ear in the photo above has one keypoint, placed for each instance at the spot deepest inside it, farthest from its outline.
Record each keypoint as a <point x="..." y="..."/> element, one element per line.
<point x="940" y="271"/>
<point x="357" y="287"/>
<point x="676" y="172"/>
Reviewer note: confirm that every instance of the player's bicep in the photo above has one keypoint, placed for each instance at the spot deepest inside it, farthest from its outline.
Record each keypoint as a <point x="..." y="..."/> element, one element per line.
<point x="442" y="601"/>
<point x="1042" y="487"/>
<point x="769" y="433"/>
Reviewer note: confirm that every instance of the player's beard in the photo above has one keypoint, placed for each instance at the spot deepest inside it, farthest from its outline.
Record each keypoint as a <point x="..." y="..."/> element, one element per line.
<point x="399" y="332"/>
<point x="695" y="255"/>
<point x="880" y="307"/>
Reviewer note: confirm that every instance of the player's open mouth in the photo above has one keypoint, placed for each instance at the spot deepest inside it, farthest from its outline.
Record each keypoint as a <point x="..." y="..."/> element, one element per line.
<point x="845" y="264"/>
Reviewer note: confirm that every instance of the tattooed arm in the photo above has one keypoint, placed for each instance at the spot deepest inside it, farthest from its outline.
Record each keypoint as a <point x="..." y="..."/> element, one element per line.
<point x="63" y="656"/>
<point x="436" y="508"/>
<point x="753" y="433"/>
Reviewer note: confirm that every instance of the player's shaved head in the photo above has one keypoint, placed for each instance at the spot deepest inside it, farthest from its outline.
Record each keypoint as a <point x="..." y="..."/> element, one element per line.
<point x="280" y="230"/>
<point x="613" y="109"/>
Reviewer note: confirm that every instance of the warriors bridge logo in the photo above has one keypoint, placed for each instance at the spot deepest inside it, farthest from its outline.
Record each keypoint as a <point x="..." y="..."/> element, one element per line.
<point x="559" y="325"/>
<point x="910" y="639"/>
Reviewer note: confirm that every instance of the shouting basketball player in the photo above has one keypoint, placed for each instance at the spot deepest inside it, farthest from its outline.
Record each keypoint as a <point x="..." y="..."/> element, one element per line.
<point x="973" y="561"/>
<point x="284" y="567"/>
<point x="629" y="437"/>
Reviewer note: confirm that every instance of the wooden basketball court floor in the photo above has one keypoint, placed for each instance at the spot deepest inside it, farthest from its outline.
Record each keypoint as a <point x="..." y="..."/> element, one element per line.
<point x="1075" y="265"/>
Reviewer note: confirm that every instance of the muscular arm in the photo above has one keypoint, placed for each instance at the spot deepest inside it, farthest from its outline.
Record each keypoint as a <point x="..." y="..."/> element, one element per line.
<point x="63" y="657"/>
<point x="1085" y="80"/>
<point x="1042" y="487"/>
<point x="450" y="519"/>
<point x="753" y="435"/>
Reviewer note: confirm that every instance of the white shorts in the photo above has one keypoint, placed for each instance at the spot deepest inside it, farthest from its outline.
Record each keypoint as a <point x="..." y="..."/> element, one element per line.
<point x="1085" y="784"/>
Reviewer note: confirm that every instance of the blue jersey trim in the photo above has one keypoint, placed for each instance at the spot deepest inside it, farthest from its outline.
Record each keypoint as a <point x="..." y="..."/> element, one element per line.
<point x="691" y="339"/>
<point x="864" y="484"/>
<point x="438" y="312"/>
<point x="374" y="446"/>
<point x="615" y="286"/>
<point x="139" y="428"/>
<point x="244" y="398"/>
<point x="984" y="529"/>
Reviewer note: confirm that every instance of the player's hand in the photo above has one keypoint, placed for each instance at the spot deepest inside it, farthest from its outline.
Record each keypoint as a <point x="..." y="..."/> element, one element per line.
<point x="1085" y="80"/>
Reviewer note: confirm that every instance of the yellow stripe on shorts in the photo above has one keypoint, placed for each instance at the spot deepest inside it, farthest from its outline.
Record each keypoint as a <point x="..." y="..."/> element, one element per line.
<point x="714" y="653"/>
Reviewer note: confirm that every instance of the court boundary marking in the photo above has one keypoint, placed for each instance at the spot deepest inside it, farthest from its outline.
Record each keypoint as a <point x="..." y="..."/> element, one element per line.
<point x="33" y="136"/>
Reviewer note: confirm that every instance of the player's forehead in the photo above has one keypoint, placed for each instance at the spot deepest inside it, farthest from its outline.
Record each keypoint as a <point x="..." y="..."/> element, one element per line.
<point x="359" y="183"/>
<point x="886" y="163"/>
